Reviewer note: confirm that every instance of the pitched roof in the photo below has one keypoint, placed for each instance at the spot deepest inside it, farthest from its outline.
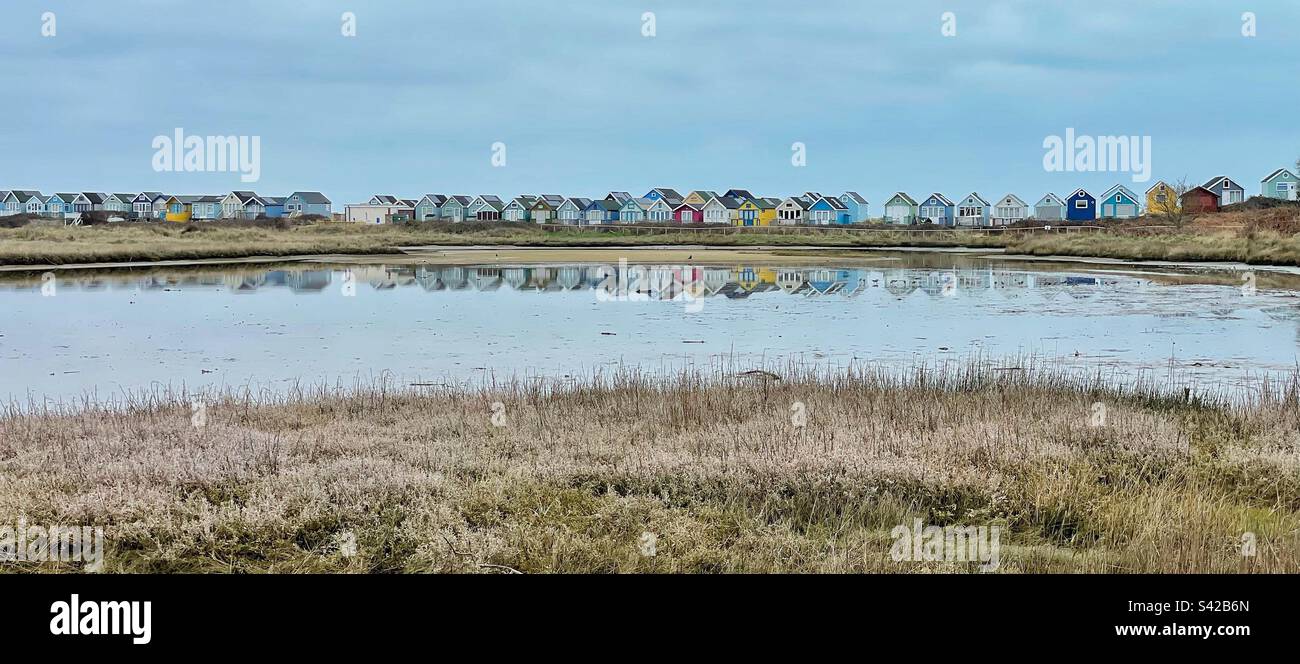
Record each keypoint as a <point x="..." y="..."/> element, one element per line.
<point x="942" y="199"/>
<point x="1217" y="179"/>
<point x="739" y="193"/>
<point x="857" y="198"/>
<point x="1081" y="191"/>
<point x="835" y="203"/>
<point x="385" y="199"/>
<point x="800" y="201"/>
<point x="1201" y="190"/>
<point x="150" y="195"/>
<point x="1274" y="174"/>
<point x="725" y="201"/>
<point x="94" y="196"/>
<point x="976" y="196"/>
<point x="311" y="197"/>
<point x="903" y="195"/>
<point x="620" y="196"/>
<point x="1157" y="184"/>
<point x="24" y="195"/>
<point x="1120" y="188"/>
<point x="1014" y="198"/>
<point x="1051" y="196"/>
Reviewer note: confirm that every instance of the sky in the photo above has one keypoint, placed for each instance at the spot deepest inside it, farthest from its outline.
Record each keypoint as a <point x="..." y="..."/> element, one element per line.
<point x="585" y="102"/>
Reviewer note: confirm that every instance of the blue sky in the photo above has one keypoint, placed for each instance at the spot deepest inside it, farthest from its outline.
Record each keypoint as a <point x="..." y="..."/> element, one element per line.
<point x="585" y="104"/>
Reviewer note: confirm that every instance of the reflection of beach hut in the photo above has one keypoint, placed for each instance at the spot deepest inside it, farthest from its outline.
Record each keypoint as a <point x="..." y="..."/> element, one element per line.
<point x="307" y="281"/>
<point x="827" y="282"/>
<point x="715" y="279"/>
<point x="900" y="286"/>
<point x="455" y="278"/>
<point x="429" y="280"/>
<point x="790" y="281"/>
<point x="486" y="278"/>
<point x="569" y="277"/>
<point x="515" y="276"/>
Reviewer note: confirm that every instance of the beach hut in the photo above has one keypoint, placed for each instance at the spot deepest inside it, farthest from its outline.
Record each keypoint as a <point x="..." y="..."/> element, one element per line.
<point x="485" y="207"/>
<point x="937" y="209"/>
<point x="721" y="210"/>
<point x="429" y="207"/>
<point x="793" y="210"/>
<point x="1010" y="210"/>
<point x="1081" y="206"/>
<point x="311" y="202"/>
<point x="205" y="207"/>
<point x="973" y="211"/>
<point x="603" y="211"/>
<point x="900" y="209"/>
<point x="633" y="210"/>
<point x="828" y="210"/>
<point x="545" y="207"/>
<point x="141" y="204"/>
<point x="1229" y="192"/>
<point x="659" y="210"/>
<point x="669" y="195"/>
<point x="1049" y="208"/>
<point x="1200" y="199"/>
<point x="688" y="213"/>
<point x="619" y="197"/>
<point x="1161" y="198"/>
<point x="519" y="209"/>
<point x="1280" y="184"/>
<point x="857" y="206"/>
<point x="570" y="212"/>
<point x="57" y="205"/>
<point x="741" y="195"/>
<point x="700" y="197"/>
<point x="455" y="208"/>
<point x="1119" y="202"/>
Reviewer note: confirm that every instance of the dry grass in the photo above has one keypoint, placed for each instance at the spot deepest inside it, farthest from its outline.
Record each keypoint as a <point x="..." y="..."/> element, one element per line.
<point x="1253" y="236"/>
<point x="713" y="464"/>
<point x="123" y="242"/>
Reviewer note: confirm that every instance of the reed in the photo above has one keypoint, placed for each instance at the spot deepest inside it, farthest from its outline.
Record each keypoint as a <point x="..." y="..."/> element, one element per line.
<point x="565" y="475"/>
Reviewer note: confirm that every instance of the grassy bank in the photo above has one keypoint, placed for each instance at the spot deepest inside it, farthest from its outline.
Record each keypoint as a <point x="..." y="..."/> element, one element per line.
<point x="1266" y="236"/>
<point x="54" y="245"/>
<point x="572" y="474"/>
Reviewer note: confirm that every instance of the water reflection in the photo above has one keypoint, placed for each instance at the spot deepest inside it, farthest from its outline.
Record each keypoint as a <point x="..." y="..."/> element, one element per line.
<point x="656" y="282"/>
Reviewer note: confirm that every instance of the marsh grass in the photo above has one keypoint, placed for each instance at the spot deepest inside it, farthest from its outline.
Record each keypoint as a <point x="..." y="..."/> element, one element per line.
<point x="422" y="480"/>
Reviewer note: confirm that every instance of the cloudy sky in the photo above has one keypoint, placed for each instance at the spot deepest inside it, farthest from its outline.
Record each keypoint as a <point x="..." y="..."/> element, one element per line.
<point x="584" y="103"/>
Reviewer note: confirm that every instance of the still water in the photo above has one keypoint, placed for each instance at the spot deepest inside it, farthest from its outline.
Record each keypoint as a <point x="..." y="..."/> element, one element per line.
<point x="103" y="334"/>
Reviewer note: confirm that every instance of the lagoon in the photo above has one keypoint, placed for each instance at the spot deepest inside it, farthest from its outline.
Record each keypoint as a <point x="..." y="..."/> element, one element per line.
<point x="103" y="334"/>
